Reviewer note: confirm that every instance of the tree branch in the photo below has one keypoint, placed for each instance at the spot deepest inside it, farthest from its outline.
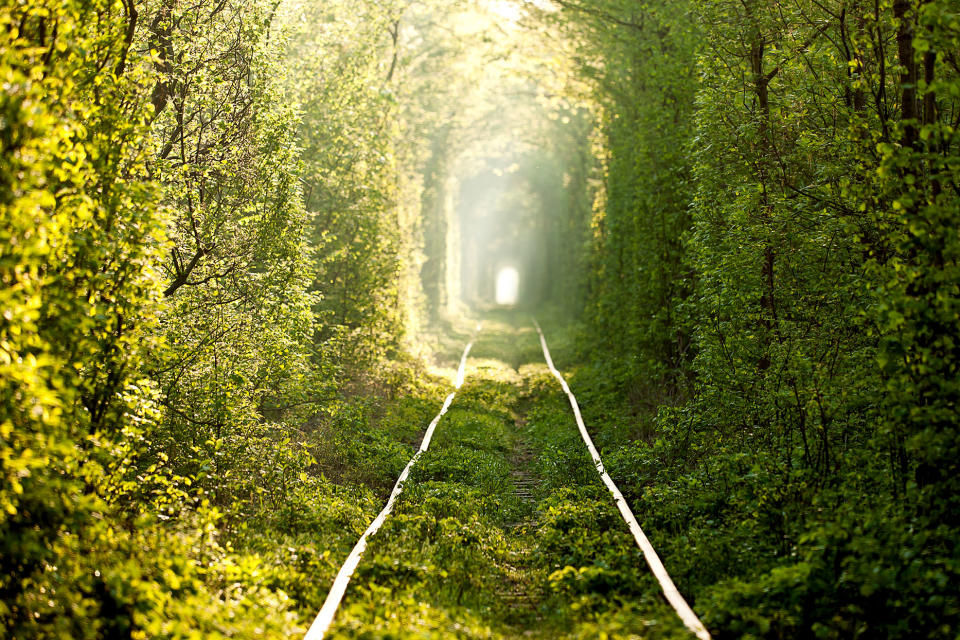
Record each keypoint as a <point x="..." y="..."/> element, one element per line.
<point x="603" y="15"/>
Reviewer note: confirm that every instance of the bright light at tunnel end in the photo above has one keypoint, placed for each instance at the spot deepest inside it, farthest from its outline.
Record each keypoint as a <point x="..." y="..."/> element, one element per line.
<point x="508" y="286"/>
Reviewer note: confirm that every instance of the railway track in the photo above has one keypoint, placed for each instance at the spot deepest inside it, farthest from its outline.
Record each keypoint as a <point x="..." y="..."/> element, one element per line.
<point x="524" y="483"/>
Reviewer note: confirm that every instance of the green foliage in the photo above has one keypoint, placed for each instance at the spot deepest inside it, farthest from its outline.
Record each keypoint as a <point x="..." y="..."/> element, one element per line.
<point x="82" y="238"/>
<point x="361" y="242"/>
<point x="157" y="335"/>
<point x="644" y="94"/>
<point x="219" y="219"/>
<point x="237" y="325"/>
<point x="78" y="231"/>
<point x="810" y="262"/>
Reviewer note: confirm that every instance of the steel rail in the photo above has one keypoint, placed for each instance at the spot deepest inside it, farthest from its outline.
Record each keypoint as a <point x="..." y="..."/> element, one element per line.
<point x="670" y="590"/>
<point x="329" y="609"/>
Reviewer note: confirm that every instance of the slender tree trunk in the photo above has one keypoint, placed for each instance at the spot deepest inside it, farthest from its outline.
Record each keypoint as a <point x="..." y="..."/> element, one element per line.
<point x="908" y="72"/>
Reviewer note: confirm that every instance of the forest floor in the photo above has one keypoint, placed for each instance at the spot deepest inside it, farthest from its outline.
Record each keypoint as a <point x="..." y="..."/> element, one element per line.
<point x="504" y="529"/>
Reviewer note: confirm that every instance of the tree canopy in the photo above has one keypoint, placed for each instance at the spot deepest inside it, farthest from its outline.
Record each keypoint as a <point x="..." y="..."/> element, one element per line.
<point x="236" y="238"/>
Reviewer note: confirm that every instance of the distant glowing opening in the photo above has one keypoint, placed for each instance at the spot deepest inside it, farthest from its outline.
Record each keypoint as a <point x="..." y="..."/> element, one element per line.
<point x="508" y="285"/>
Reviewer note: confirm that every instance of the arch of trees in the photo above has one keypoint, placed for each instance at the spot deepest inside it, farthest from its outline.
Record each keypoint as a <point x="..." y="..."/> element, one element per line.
<point x="223" y="222"/>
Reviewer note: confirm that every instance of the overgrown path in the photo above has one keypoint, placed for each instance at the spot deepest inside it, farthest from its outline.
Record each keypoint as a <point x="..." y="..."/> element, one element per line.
<point x="503" y="529"/>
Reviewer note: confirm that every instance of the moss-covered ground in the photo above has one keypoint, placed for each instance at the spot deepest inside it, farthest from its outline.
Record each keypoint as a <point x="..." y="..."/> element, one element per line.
<point x="503" y="529"/>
